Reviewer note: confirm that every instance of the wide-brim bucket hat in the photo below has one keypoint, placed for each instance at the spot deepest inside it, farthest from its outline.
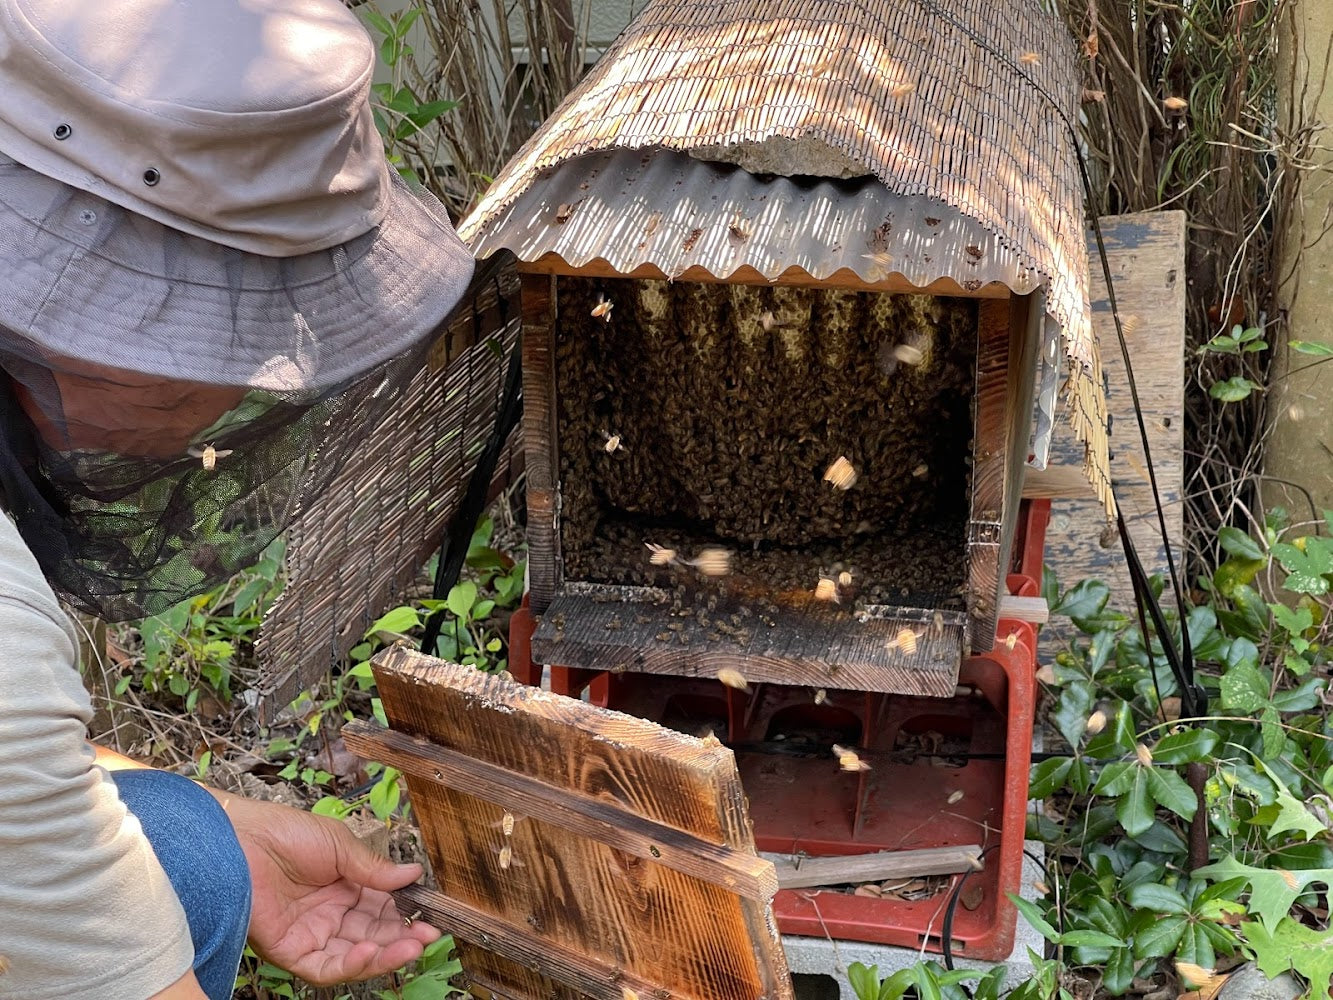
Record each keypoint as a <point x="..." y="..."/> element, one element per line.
<point x="195" y="189"/>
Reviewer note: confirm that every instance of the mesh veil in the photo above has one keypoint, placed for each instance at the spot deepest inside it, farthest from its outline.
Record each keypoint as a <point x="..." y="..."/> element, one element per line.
<point x="126" y="531"/>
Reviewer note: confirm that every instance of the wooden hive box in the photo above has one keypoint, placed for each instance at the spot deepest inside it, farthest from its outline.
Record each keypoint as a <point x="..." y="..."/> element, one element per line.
<point x="747" y="253"/>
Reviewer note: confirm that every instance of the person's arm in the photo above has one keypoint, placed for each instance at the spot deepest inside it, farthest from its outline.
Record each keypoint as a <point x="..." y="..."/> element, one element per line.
<point x="88" y="913"/>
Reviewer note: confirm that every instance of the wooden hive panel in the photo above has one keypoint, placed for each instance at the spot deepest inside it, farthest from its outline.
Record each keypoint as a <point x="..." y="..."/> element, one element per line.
<point x="630" y="869"/>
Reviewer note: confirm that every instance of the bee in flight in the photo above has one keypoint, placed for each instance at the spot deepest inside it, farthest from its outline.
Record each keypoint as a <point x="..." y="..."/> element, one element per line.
<point x="209" y="455"/>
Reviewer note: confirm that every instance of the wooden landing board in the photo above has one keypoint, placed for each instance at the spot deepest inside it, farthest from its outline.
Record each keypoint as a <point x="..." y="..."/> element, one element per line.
<point x="821" y="645"/>
<point x="1147" y="257"/>
<point x="630" y="866"/>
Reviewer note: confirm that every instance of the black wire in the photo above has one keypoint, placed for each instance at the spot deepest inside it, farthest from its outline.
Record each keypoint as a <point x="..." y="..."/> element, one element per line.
<point x="946" y="928"/>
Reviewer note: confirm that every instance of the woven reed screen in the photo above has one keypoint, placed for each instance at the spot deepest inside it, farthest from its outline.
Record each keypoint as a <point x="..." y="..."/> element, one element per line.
<point x="363" y="543"/>
<point x="956" y="100"/>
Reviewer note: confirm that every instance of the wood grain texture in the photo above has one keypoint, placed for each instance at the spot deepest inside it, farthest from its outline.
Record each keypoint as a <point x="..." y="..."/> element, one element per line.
<point x="875" y="867"/>
<point x="990" y="446"/>
<point x="615" y="908"/>
<point x="539" y="438"/>
<point x="818" y="646"/>
<point x="1147" y="257"/>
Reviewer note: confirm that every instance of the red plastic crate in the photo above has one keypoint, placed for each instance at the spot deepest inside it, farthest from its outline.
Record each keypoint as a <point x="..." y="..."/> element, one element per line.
<point x="807" y="804"/>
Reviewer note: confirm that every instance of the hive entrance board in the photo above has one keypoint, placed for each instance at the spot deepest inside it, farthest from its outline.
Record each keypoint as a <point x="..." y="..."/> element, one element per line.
<point x="579" y="852"/>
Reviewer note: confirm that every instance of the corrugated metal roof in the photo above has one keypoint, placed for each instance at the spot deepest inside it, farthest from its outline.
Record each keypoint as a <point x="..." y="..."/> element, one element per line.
<point x="669" y="210"/>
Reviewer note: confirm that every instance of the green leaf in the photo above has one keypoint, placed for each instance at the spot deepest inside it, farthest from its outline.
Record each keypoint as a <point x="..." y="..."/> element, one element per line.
<point x="1306" y="568"/>
<point x="1302" y="698"/>
<point x="1312" y="348"/>
<point x="1134" y="809"/>
<point x="1119" y="975"/>
<point x="377" y="21"/>
<point x="384" y="795"/>
<point x="1083" y="600"/>
<point x="1294" y="621"/>
<point x="1048" y="776"/>
<point x="1156" y="897"/>
<point x="1170" y="790"/>
<point x="1232" y="390"/>
<point x="461" y="598"/>
<point x="1070" y="715"/>
<point x="1160" y="937"/>
<point x="1272" y="890"/>
<point x="402" y="619"/>
<point x="1244" y="690"/>
<point x="1240" y="544"/>
<point x="1292" y="814"/>
<point x="1033" y="915"/>
<point x="1089" y="939"/>
<point x="1270" y="729"/>
<point x="1292" y="945"/>
<point x="1115" y="779"/>
<point x="1185" y="747"/>
<point x="864" y="981"/>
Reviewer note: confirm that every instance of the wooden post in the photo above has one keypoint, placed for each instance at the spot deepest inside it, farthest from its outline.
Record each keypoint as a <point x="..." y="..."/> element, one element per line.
<point x="990" y="446"/>
<point x="541" y="450"/>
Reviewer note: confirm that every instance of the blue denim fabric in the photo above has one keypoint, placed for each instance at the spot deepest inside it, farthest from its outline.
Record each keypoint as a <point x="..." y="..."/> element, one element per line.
<point x="195" y="843"/>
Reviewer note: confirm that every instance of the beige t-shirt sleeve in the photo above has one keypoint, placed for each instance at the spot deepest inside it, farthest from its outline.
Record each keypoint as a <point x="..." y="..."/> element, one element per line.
<point x="86" y="911"/>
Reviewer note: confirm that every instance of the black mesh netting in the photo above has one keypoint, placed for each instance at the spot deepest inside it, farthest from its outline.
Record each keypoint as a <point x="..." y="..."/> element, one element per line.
<point x="135" y="493"/>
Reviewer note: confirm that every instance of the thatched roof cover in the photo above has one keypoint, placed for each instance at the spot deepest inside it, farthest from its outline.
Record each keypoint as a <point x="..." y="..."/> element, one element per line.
<point x="940" y="102"/>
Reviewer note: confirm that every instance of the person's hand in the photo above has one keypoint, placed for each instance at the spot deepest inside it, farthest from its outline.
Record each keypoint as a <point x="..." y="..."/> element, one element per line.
<point x="321" y="904"/>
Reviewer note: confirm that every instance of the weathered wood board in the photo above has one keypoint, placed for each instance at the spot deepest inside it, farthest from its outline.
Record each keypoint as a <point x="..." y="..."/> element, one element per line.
<point x="579" y="852"/>
<point x="1147" y="257"/>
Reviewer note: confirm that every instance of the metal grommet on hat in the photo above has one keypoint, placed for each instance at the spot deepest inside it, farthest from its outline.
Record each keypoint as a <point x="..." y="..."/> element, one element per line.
<point x="151" y="176"/>
<point x="63" y="131"/>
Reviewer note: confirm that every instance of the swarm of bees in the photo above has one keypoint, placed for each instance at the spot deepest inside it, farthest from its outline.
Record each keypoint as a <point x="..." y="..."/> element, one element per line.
<point x="848" y="759"/>
<point x="209" y="455"/>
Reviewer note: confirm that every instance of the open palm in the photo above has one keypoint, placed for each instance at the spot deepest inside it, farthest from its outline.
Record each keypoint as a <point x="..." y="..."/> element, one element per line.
<point x="321" y="907"/>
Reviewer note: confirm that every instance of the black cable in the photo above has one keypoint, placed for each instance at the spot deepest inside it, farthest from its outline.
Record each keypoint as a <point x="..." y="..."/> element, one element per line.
<point x="946" y="928"/>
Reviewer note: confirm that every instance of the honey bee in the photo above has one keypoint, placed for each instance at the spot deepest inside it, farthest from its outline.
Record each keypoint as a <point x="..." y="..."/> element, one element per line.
<point x="848" y="760"/>
<point x="1029" y="58"/>
<point x="920" y="471"/>
<point x="1010" y="641"/>
<point x="209" y="455"/>
<point x="956" y="797"/>
<point x="603" y="308"/>
<point x="909" y="354"/>
<point x="660" y="555"/>
<point x="733" y="678"/>
<point x="738" y="232"/>
<point x="1096" y="723"/>
<point x="883" y="263"/>
<point x="628" y="994"/>
<point x="767" y="320"/>
<point x="1091" y="45"/>
<point x="507" y="859"/>
<point x="826" y="590"/>
<point x="654" y="221"/>
<point x="613" y="443"/>
<point x="906" y="641"/>
<point x="840" y="474"/>
<point x="1143" y="754"/>
<point x="821" y="696"/>
<point x="902" y="89"/>
<point x="844" y="579"/>
<point x="712" y="562"/>
<point x="563" y="212"/>
<point x="1175" y="104"/>
<point x="506" y="823"/>
<point x="938" y="623"/>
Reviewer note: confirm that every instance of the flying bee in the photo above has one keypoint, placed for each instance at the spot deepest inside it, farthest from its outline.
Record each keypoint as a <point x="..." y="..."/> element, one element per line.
<point x="613" y="443"/>
<point x="738" y="232"/>
<point x="1029" y="58"/>
<point x="209" y="455"/>
<point x="733" y="678"/>
<point x="507" y="859"/>
<point x="712" y="562"/>
<point x="821" y="696"/>
<point x="844" y="579"/>
<point x="840" y="474"/>
<point x="920" y="471"/>
<point x="906" y="641"/>
<point x="826" y="590"/>
<point x="603" y="308"/>
<point x="1175" y="104"/>
<point x="956" y="797"/>
<point x="506" y="823"/>
<point x="659" y="555"/>
<point x="909" y="354"/>
<point x="902" y="89"/>
<point x="1010" y="641"/>
<point x="848" y="760"/>
<point x="883" y="264"/>
<point x="563" y="212"/>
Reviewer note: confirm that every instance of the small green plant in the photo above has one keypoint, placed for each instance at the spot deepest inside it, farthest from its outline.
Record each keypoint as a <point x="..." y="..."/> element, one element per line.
<point x="192" y="647"/>
<point x="1118" y="806"/>
<point x="1245" y="341"/>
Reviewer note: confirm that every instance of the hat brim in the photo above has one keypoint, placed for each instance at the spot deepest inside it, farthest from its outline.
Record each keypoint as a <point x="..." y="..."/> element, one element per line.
<point x="83" y="278"/>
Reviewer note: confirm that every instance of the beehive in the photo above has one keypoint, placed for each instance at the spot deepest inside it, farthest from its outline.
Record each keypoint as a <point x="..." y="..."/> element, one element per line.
<point x="754" y="243"/>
